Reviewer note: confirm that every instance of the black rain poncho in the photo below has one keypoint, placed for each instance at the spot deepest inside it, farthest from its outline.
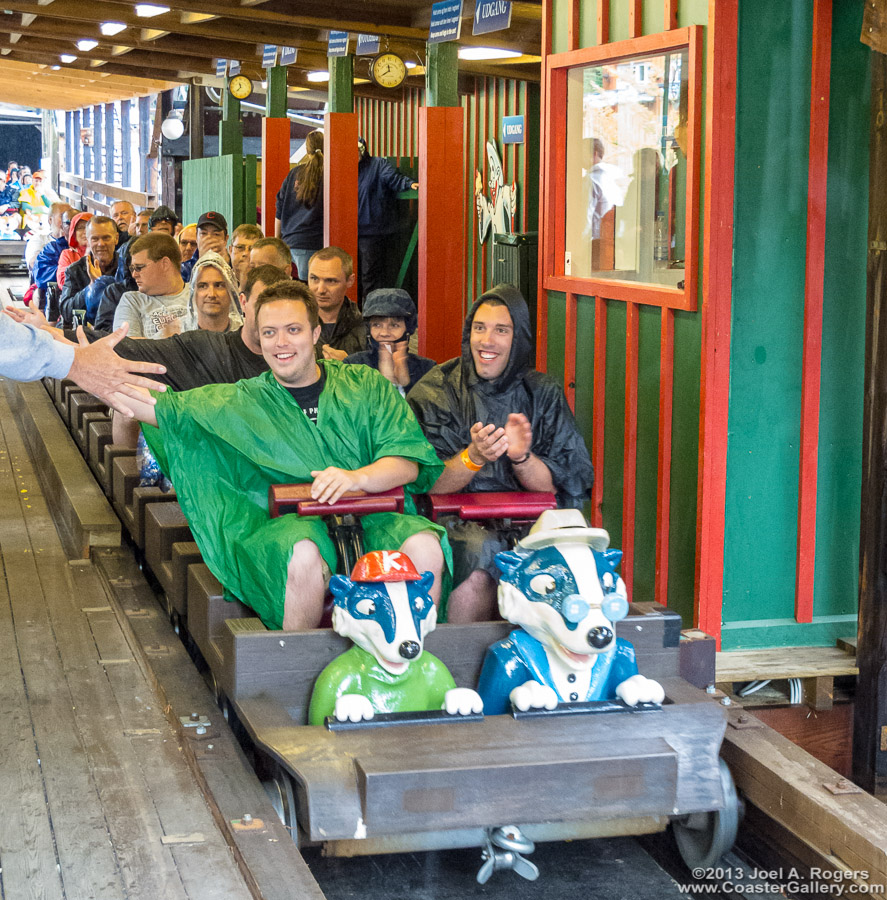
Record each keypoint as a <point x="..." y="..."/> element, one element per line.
<point x="451" y="398"/>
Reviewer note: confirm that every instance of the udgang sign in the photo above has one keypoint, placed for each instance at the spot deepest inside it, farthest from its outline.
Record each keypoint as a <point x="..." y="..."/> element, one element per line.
<point x="495" y="214"/>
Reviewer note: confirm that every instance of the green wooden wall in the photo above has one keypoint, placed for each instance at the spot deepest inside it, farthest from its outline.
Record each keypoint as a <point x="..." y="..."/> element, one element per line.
<point x="226" y="184"/>
<point x="772" y="125"/>
<point x="685" y="415"/>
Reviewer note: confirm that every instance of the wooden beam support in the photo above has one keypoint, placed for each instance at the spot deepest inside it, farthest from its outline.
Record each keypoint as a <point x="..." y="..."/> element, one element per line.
<point x="870" y="713"/>
<point x="230" y="126"/>
<point x="340" y="181"/>
<point x="441" y="235"/>
<point x="442" y="74"/>
<point x="195" y="121"/>
<point x="275" y="93"/>
<point x="275" y="166"/>
<point x="341" y="84"/>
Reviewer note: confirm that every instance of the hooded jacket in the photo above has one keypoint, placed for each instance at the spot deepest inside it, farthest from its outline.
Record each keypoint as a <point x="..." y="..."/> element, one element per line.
<point x="73" y="250"/>
<point x="81" y="293"/>
<point x="451" y="398"/>
<point x="213" y="259"/>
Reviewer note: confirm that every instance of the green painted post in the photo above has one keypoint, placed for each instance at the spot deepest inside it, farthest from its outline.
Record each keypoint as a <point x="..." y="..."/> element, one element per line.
<point x="442" y="74"/>
<point x="275" y="93"/>
<point x="341" y="89"/>
<point x="230" y="127"/>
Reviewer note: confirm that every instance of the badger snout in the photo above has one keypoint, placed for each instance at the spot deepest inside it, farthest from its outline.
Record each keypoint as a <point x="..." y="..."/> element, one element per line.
<point x="599" y="637"/>
<point x="409" y="649"/>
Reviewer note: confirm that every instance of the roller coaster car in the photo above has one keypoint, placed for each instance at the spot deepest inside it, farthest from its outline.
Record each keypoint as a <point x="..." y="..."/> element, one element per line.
<point x="413" y="781"/>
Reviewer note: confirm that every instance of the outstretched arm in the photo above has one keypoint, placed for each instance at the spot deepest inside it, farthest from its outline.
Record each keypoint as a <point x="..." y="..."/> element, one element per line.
<point x="382" y="475"/>
<point x="117" y="381"/>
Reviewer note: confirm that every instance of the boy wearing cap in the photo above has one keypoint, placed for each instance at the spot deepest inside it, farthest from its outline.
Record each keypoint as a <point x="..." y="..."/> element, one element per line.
<point x="390" y="317"/>
<point x="212" y="234"/>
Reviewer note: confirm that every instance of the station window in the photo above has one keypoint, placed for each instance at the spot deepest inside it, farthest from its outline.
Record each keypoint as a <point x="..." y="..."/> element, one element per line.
<point x="624" y="186"/>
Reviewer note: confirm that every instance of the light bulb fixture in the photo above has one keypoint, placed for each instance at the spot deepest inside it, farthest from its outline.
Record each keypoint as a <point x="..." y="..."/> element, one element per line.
<point x="410" y="65"/>
<point x="172" y="127"/>
<point x="318" y="76"/>
<point x="86" y="45"/>
<point x="108" y="29"/>
<point x="55" y="68"/>
<point x="264" y="85"/>
<point x="478" y="53"/>
<point x="147" y="10"/>
<point x="67" y="58"/>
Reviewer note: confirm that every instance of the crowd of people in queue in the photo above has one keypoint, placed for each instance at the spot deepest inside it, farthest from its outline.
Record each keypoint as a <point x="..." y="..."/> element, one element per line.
<point x="261" y="377"/>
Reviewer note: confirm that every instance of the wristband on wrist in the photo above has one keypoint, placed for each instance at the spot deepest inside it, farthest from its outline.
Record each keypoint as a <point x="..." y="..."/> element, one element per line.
<point x="522" y="460"/>
<point x="468" y="462"/>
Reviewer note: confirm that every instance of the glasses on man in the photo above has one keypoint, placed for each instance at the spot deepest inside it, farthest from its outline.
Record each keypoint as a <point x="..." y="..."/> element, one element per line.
<point x="135" y="268"/>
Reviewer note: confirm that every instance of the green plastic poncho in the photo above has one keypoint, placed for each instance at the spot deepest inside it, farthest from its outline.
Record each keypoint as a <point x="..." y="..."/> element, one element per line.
<point x="223" y="445"/>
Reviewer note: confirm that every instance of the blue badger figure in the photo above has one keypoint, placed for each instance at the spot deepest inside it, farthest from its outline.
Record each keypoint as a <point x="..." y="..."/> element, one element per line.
<point x="560" y="585"/>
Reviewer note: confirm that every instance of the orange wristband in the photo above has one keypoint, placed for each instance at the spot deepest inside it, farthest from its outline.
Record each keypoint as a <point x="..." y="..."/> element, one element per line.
<point x="468" y="462"/>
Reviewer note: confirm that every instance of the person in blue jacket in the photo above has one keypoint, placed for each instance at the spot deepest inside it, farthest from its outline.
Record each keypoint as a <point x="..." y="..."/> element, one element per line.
<point x="378" y="183"/>
<point x="390" y="317"/>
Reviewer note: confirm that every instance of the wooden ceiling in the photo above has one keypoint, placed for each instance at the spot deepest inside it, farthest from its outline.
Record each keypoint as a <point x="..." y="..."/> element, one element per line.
<point x="156" y="53"/>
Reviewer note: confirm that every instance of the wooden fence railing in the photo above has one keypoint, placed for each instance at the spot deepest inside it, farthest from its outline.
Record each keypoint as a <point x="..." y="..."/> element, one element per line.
<point x="98" y="197"/>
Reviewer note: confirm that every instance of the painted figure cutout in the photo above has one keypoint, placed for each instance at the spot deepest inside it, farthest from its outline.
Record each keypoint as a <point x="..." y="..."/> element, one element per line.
<point x="561" y="587"/>
<point x="495" y="214"/>
<point x="385" y="608"/>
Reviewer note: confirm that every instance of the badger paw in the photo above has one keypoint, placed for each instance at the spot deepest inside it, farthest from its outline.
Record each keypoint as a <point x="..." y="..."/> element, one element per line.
<point x="353" y="708"/>
<point x="462" y="702"/>
<point x="638" y="689"/>
<point x="532" y="695"/>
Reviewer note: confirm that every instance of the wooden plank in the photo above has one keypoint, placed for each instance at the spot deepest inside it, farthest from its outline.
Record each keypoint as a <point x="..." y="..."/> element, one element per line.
<point x="814" y="283"/>
<point x="570" y="351"/>
<point x="600" y="401"/>
<point x="783" y="662"/>
<point x="663" y="472"/>
<point x="717" y="286"/>
<point x="789" y="786"/>
<point x="629" y="476"/>
<point x="82" y="514"/>
<point x="276" y="870"/>
<point x="28" y="855"/>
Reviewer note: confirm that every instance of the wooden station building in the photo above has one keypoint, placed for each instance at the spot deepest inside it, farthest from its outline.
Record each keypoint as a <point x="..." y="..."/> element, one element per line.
<point x="725" y="372"/>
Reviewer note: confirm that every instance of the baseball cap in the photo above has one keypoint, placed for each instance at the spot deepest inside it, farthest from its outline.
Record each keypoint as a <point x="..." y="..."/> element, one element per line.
<point x="213" y="218"/>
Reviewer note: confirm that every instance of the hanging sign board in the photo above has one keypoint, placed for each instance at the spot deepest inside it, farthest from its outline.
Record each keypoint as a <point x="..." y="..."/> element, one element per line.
<point x="233" y="67"/>
<point x="446" y="21"/>
<point x="491" y="15"/>
<point x="221" y="67"/>
<point x="337" y="44"/>
<point x="288" y="55"/>
<point x="269" y="56"/>
<point x="512" y="129"/>
<point x="367" y="45"/>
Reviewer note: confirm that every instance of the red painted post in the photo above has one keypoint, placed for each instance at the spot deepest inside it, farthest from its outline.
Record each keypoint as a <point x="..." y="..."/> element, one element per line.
<point x="441" y="235"/>
<point x="275" y="167"/>
<point x="340" y="182"/>
<point x="813" y="298"/>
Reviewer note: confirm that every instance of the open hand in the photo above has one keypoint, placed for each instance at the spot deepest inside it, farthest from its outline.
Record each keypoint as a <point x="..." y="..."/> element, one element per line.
<point x="520" y="436"/>
<point x="99" y="370"/>
<point x="330" y="483"/>
<point x="332" y="353"/>
<point x="487" y="442"/>
<point x="29" y="315"/>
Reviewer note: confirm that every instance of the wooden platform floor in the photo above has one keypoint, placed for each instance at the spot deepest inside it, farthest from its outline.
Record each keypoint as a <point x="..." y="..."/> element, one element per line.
<point x="98" y="800"/>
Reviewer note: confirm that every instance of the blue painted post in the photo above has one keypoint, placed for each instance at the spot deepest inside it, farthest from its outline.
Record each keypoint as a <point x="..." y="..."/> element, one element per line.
<point x="144" y="140"/>
<point x="98" y="138"/>
<point x="75" y="166"/>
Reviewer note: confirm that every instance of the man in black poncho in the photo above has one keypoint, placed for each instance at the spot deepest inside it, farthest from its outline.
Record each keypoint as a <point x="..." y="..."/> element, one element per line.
<point x="499" y="425"/>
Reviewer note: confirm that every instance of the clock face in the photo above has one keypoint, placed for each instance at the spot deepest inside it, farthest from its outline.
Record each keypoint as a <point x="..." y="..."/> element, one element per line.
<point x="240" y="87"/>
<point x="388" y="70"/>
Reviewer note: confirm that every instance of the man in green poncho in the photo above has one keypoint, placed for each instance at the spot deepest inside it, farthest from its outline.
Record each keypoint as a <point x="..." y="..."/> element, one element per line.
<point x="337" y="427"/>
